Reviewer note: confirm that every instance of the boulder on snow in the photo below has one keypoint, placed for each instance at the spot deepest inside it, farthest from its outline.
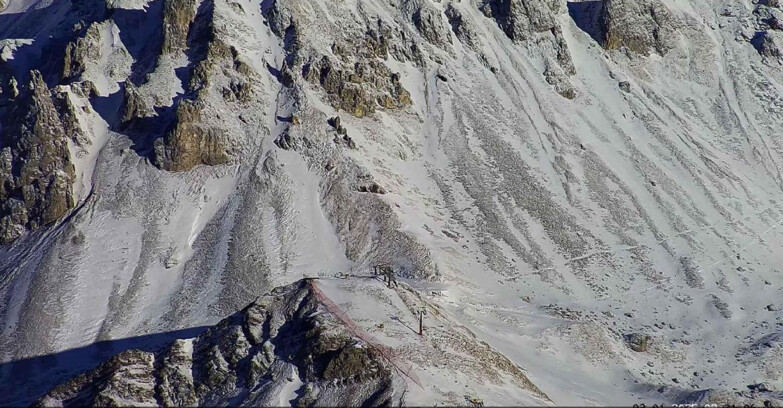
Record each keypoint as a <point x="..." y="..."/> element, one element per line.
<point x="637" y="342"/>
<point x="373" y="187"/>
<point x="761" y="387"/>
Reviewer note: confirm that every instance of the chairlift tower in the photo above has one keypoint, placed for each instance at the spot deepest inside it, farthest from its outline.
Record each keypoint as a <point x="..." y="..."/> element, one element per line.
<point x="422" y="312"/>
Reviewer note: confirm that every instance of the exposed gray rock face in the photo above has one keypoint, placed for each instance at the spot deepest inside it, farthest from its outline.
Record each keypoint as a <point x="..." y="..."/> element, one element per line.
<point x="35" y="164"/>
<point x="190" y="140"/>
<point x="642" y="26"/>
<point x="84" y="89"/>
<point x="358" y="89"/>
<point x="354" y="76"/>
<point x="246" y="360"/>
<point x="520" y="20"/>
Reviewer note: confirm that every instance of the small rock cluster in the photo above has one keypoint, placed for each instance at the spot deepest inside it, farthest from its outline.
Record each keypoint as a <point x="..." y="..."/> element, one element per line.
<point x="341" y="131"/>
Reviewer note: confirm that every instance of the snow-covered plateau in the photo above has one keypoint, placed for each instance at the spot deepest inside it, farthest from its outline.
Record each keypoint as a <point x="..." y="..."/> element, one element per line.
<point x="581" y="200"/>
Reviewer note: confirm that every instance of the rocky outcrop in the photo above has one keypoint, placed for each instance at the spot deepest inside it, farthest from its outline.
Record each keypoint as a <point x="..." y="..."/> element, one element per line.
<point x="69" y="119"/>
<point x="463" y="27"/>
<point x="190" y="142"/>
<point x="429" y="23"/>
<point x="35" y="164"/>
<point x="521" y="20"/>
<point x="80" y="52"/>
<point x="125" y="380"/>
<point x="133" y="106"/>
<point x="638" y="342"/>
<point x="357" y="81"/>
<point x="84" y="89"/>
<point x="535" y="25"/>
<point x="246" y="359"/>
<point x="190" y="138"/>
<point x="641" y="26"/>
<point x="215" y="53"/>
<point x="769" y="15"/>
<point x="354" y="77"/>
<point x="769" y="44"/>
<point x="177" y="17"/>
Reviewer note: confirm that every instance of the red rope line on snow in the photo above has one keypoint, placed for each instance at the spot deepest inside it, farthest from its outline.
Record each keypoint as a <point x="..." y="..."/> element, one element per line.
<point x="385" y="351"/>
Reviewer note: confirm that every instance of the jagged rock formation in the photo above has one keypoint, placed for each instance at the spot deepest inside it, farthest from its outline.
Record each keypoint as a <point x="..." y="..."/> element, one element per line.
<point x="769" y="45"/>
<point x="190" y="143"/>
<point x="641" y="26"/>
<point x="134" y="105"/>
<point x="355" y="79"/>
<point x="178" y="15"/>
<point x="360" y="89"/>
<point x="536" y="22"/>
<point x="429" y="21"/>
<point x="281" y="347"/>
<point x="36" y="167"/>
<point x="82" y="51"/>
<point x="464" y="28"/>
<point x="192" y="139"/>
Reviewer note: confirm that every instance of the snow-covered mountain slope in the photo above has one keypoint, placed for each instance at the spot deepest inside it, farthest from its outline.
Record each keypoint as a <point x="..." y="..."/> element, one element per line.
<point x="591" y="187"/>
